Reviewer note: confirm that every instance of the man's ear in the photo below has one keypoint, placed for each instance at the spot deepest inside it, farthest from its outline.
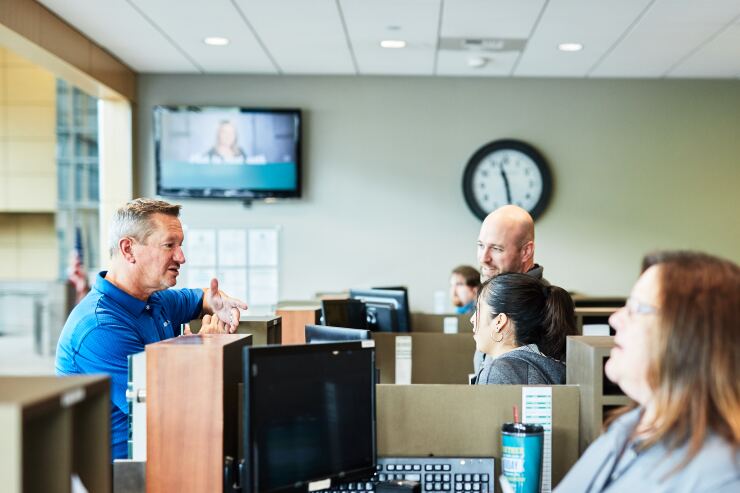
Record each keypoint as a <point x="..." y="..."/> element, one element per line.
<point x="527" y="252"/>
<point x="126" y="249"/>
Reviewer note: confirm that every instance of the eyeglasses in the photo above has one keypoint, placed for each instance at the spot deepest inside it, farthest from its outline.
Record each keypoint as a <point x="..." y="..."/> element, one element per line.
<point x="635" y="307"/>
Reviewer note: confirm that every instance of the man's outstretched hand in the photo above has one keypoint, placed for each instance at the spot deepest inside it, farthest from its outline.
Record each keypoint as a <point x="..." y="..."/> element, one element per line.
<point x="224" y="307"/>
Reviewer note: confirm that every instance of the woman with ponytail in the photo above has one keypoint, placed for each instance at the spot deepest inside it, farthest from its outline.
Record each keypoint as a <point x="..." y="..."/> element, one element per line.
<point x="521" y="324"/>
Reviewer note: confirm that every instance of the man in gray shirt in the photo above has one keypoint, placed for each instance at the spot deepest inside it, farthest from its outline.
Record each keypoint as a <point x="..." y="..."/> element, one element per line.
<point x="506" y="244"/>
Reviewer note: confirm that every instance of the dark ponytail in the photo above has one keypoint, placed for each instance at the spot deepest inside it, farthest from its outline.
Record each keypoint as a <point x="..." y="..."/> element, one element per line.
<point x="559" y="322"/>
<point x="542" y="315"/>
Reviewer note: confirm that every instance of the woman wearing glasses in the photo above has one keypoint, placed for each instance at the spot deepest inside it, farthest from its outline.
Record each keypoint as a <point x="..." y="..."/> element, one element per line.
<point x="675" y="355"/>
<point x="521" y="326"/>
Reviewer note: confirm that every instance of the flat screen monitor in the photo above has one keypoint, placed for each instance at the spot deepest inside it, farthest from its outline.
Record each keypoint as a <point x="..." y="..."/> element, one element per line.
<point x="344" y="313"/>
<point x="387" y="309"/>
<point x="308" y="416"/>
<point x="325" y="333"/>
<point x="222" y="152"/>
<point x="406" y="296"/>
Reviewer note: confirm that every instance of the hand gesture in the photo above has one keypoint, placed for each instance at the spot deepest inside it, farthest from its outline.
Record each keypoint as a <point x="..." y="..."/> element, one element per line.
<point x="212" y="325"/>
<point x="224" y="307"/>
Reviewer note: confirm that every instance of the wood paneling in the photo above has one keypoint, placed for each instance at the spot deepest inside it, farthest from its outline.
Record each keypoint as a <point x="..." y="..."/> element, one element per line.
<point x="192" y="411"/>
<point x="294" y="321"/>
<point x="61" y="42"/>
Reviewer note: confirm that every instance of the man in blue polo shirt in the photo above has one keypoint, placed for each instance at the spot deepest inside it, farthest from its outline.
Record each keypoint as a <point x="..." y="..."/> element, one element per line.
<point x="131" y="304"/>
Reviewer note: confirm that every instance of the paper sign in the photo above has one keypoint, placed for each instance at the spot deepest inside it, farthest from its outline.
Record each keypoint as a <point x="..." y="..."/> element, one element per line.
<point x="403" y="360"/>
<point x="201" y="247"/>
<point x="263" y="247"/>
<point x="450" y="325"/>
<point x="537" y="409"/>
<point x="233" y="282"/>
<point x="232" y="248"/>
<point x="263" y="287"/>
<point x="200" y="278"/>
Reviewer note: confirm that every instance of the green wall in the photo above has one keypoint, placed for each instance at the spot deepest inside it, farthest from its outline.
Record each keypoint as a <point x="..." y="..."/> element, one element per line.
<point x="637" y="165"/>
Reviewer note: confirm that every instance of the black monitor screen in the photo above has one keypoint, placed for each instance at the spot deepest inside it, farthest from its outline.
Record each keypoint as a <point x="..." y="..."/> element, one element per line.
<point x="309" y="415"/>
<point x="387" y="309"/>
<point x="344" y="313"/>
<point x="227" y="152"/>
<point x="325" y="333"/>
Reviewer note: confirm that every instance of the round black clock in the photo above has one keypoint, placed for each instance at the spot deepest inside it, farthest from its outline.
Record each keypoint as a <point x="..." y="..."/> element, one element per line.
<point x="507" y="172"/>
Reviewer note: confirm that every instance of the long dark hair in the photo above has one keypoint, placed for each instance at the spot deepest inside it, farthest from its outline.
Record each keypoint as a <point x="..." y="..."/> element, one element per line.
<point x="542" y="315"/>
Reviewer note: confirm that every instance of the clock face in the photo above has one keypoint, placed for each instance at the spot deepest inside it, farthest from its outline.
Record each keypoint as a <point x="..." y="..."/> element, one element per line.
<point x="506" y="172"/>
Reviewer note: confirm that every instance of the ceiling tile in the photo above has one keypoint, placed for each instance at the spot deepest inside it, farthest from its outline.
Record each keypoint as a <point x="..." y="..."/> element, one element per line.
<point x="490" y="18"/>
<point x="596" y="25"/>
<point x="414" y="21"/>
<point x="667" y="32"/>
<point x="718" y="58"/>
<point x="303" y="36"/>
<point x="188" y="22"/>
<point x="123" y="32"/>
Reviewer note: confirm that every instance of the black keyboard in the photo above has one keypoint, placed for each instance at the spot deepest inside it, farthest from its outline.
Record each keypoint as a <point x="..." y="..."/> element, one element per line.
<point x="459" y="474"/>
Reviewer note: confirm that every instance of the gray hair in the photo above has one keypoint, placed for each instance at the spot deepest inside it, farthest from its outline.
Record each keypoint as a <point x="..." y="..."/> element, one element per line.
<point x="134" y="220"/>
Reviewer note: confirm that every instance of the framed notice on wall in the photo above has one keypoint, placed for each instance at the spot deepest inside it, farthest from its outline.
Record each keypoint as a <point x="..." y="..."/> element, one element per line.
<point x="244" y="260"/>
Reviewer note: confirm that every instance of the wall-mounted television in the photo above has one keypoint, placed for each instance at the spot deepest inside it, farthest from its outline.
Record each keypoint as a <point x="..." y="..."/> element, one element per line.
<point x="227" y="152"/>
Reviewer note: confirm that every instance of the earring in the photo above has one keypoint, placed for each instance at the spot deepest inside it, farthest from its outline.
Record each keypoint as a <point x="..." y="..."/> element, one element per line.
<point x="499" y="339"/>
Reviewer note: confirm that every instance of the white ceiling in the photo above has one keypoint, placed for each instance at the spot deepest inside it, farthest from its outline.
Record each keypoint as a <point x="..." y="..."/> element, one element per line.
<point x="621" y="38"/>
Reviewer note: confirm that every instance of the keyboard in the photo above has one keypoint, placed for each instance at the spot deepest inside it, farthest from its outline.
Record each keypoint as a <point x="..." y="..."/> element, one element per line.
<point x="459" y="474"/>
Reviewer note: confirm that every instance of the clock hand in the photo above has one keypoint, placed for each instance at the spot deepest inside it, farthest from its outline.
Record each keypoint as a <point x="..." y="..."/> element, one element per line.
<point x="506" y="184"/>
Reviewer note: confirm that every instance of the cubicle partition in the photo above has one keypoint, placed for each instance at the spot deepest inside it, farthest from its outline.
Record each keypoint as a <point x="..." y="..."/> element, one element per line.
<point x="192" y="400"/>
<point x="294" y="319"/>
<point x="594" y="321"/>
<point x="587" y="356"/>
<point x="465" y="421"/>
<point x="55" y="432"/>
<point x="441" y="322"/>
<point x="434" y="357"/>
<point x="264" y="330"/>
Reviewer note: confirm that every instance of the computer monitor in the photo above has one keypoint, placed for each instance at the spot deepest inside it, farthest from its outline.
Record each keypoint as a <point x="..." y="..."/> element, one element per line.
<point x="387" y="309"/>
<point x="308" y="416"/>
<point x="344" y="313"/>
<point x="325" y="333"/>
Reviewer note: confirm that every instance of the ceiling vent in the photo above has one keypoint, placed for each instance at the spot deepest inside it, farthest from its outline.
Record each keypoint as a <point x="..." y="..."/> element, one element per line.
<point x="495" y="45"/>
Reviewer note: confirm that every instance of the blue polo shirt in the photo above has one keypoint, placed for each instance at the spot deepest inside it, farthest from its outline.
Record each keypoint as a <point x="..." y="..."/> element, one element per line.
<point x="107" y="326"/>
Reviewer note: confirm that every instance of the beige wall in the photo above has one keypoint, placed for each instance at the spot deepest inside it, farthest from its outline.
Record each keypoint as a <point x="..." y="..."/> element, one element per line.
<point x="637" y="165"/>
<point x="28" y="247"/>
<point x="28" y="190"/>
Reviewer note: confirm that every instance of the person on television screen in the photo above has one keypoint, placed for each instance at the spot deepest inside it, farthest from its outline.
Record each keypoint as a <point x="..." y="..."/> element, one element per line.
<point x="225" y="149"/>
<point x="131" y="305"/>
<point x="464" y="283"/>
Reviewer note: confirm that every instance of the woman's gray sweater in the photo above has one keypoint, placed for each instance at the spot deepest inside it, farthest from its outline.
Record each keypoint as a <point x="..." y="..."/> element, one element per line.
<point x="523" y="366"/>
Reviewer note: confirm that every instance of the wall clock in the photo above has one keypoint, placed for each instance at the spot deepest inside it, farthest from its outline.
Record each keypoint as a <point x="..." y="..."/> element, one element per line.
<point x="504" y="172"/>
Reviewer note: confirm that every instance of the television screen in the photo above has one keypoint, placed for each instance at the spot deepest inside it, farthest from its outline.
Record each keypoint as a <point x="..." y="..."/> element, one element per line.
<point x="227" y="152"/>
<point x="308" y="416"/>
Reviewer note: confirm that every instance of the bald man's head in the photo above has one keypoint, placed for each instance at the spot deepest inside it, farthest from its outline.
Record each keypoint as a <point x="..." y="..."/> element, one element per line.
<point x="506" y="242"/>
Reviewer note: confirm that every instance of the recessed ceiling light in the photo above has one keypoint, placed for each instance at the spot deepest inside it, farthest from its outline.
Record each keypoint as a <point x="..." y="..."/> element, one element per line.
<point x="570" y="47"/>
<point x="216" y="41"/>
<point x="393" y="43"/>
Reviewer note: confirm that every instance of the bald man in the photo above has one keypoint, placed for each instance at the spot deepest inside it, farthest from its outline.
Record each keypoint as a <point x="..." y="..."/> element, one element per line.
<point x="506" y="244"/>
